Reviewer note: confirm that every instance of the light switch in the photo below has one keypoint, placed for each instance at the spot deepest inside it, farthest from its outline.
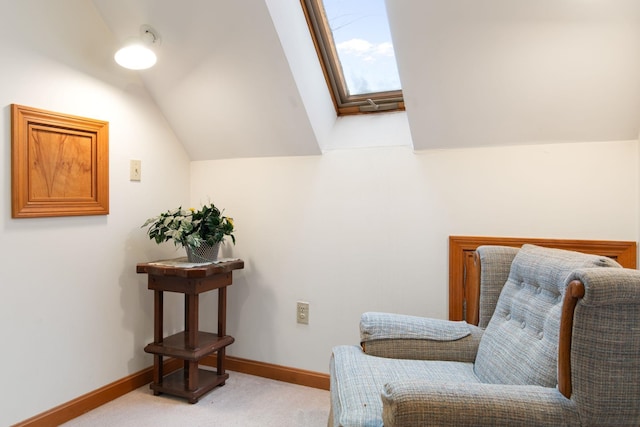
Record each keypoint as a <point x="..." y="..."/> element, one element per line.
<point x="135" y="171"/>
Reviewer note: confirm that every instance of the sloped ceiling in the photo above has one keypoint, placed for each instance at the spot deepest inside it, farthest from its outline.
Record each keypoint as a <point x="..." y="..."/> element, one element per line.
<point x="490" y="72"/>
<point x="222" y="79"/>
<point x="496" y="72"/>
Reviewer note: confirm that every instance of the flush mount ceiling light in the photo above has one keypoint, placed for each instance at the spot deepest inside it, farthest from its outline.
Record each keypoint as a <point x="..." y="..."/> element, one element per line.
<point x="137" y="53"/>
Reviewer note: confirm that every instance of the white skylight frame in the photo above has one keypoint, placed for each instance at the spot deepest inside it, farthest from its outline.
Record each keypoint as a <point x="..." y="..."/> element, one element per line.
<point x="345" y="103"/>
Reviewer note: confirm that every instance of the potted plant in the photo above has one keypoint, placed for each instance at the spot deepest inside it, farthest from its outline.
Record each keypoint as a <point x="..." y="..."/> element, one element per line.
<point x="200" y="231"/>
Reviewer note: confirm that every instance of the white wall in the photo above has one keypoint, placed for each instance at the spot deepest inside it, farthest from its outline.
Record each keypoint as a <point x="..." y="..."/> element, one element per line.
<point x="348" y="231"/>
<point x="367" y="229"/>
<point x="74" y="315"/>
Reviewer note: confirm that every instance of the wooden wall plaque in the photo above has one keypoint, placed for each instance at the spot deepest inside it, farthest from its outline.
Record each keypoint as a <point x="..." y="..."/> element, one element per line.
<point x="59" y="164"/>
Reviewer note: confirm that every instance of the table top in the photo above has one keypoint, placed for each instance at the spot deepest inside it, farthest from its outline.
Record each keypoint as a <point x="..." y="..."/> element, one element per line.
<point x="180" y="267"/>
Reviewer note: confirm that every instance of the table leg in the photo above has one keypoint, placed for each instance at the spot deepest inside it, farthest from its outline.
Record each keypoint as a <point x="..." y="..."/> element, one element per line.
<point x="158" y="371"/>
<point x="191" y="320"/>
<point x="158" y="326"/>
<point x="222" y="328"/>
<point x="192" y="380"/>
<point x="191" y="336"/>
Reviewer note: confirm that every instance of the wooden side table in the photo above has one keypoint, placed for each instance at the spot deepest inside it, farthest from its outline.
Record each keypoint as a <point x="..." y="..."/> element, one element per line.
<point x="191" y="345"/>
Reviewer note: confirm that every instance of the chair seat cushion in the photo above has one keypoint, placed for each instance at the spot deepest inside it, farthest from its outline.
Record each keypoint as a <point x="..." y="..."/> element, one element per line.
<point x="357" y="381"/>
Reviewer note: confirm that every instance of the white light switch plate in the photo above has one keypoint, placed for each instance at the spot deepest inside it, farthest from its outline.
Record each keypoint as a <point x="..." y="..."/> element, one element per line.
<point x="135" y="171"/>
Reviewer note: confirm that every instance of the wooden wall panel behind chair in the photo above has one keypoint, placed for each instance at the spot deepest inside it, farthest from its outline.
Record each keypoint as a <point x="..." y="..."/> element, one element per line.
<point x="464" y="290"/>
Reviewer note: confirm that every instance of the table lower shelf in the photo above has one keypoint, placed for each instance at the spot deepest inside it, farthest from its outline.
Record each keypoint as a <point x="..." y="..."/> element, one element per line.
<point x="176" y="345"/>
<point x="176" y="384"/>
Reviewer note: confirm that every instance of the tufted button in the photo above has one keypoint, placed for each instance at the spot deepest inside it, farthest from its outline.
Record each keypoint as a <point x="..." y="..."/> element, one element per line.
<point x="539" y="291"/>
<point x="508" y="316"/>
<point x="540" y="335"/>
<point x="523" y="325"/>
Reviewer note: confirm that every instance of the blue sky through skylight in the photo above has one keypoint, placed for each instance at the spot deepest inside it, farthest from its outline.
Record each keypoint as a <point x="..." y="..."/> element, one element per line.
<point x="363" y="41"/>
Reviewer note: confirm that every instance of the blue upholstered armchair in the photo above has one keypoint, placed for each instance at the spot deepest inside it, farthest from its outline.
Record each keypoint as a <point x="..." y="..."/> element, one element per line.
<point x="558" y="344"/>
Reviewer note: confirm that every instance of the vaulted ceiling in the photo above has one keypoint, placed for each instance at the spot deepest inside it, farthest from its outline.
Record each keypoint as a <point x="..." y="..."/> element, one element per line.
<point x="241" y="79"/>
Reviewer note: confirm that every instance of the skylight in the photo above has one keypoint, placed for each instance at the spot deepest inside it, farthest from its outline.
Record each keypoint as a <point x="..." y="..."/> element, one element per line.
<point x="354" y="44"/>
<point x="364" y="45"/>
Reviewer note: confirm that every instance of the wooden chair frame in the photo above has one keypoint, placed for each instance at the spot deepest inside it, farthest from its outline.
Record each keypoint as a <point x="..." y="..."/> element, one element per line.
<point x="464" y="290"/>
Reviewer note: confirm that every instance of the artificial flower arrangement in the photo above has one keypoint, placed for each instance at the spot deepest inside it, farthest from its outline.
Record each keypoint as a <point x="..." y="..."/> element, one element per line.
<point x="191" y="228"/>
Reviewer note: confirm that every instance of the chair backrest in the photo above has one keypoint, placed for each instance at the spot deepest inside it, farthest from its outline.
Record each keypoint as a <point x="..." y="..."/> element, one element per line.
<point x="520" y="343"/>
<point x="495" y="264"/>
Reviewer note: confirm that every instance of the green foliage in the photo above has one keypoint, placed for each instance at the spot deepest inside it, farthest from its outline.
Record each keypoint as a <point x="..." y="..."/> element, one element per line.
<point x="190" y="227"/>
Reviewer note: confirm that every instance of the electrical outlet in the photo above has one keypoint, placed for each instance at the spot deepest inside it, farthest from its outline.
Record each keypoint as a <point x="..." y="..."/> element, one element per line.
<point x="302" y="312"/>
<point x="135" y="170"/>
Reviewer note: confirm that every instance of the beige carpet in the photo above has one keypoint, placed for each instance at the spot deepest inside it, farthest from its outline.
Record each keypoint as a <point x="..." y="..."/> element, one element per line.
<point x="244" y="401"/>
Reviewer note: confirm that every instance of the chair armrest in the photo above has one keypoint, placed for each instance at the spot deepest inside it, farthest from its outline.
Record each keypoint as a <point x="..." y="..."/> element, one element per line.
<point x="423" y="402"/>
<point x="609" y="286"/>
<point x="410" y="337"/>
